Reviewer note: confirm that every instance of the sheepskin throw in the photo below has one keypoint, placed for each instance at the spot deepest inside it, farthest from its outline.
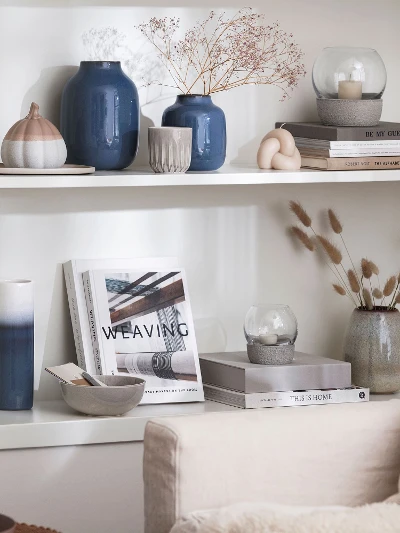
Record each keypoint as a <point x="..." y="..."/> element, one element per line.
<point x="264" y="518"/>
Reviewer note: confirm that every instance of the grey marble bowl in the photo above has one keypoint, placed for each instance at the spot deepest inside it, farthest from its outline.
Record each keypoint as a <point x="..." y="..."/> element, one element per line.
<point x="122" y="394"/>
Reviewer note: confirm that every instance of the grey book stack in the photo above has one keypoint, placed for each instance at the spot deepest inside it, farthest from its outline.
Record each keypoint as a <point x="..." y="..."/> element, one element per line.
<point x="232" y="370"/>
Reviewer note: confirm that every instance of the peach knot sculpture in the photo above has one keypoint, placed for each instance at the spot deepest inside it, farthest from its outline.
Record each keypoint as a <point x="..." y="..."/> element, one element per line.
<point x="278" y="151"/>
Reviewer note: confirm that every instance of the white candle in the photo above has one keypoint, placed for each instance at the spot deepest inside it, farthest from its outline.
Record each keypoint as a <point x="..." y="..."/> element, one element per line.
<point x="350" y="90"/>
<point x="268" y="339"/>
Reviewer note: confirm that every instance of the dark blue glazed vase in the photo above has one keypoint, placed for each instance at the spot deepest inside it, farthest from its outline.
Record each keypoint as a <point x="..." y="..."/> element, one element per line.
<point x="16" y="345"/>
<point x="100" y="116"/>
<point x="208" y="126"/>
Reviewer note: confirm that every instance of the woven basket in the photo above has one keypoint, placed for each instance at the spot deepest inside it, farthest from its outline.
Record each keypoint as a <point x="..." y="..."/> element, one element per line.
<point x="25" y="528"/>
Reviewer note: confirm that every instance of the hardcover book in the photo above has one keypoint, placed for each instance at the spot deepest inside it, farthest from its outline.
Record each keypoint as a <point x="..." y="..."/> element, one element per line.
<point x="285" y="399"/>
<point x="73" y="271"/>
<point x="350" y="163"/>
<point x="315" y="130"/>
<point x="353" y="152"/>
<point x="304" y="142"/>
<point x="141" y="324"/>
<point x="233" y="370"/>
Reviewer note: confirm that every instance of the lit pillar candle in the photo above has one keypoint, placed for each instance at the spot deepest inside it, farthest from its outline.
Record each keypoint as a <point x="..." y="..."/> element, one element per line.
<point x="268" y="339"/>
<point x="350" y="90"/>
<point x="278" y="150"/>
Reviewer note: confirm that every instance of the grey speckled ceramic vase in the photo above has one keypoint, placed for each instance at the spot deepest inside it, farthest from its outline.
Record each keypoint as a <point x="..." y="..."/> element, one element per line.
<point x="170" y="149"/>
<point x="372" y="347"/>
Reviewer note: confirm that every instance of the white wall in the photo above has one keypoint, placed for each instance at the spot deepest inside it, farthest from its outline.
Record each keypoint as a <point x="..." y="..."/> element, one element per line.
<point x="232" y="240"/>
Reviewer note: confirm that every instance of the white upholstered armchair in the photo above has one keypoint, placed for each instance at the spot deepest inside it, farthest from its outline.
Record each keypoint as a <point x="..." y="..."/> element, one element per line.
<point x="345" y="454"/>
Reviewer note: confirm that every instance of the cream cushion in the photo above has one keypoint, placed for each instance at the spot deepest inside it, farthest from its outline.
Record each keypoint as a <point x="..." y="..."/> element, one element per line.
<point x="345" y="454"/>
<point x="262" y="518"/>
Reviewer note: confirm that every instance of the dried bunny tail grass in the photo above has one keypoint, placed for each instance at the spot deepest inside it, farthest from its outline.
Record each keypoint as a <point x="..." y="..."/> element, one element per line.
<point x="353" y="281"/>
<point x="389" y="286"/>
<point x="339" y="289"/>
<point x="377" y="293"/>
<point x="300" y="213"/>
<point x="333" y="252"/>
<point x="335" y="222"/>
<point x="397" y="299"/>
<point x="366" y="268"/>
<point x="303" y="238"/>
<point x="374" y="268"/>
<point x="367" y="299"/>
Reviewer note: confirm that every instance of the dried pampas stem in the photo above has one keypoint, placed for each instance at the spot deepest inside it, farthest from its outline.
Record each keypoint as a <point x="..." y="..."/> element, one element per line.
<point x="300" y="213"/>
<point x="303" y="238"/>
<point x="377" y="293"/>
<point x="366" y="268"/>
<point x="374" y="268"/>
<point x="354" y="283"/>
<point x="339" y="289"/>
<point x="335" y="222"/>
<point x="367" y="299"/>
<point x="389" y="286"/>
<point x="334" y="254"/>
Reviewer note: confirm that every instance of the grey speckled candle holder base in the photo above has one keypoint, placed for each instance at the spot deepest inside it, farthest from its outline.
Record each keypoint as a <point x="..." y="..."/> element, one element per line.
<point x="270" y="355"/>
<point x="337" y="112"/>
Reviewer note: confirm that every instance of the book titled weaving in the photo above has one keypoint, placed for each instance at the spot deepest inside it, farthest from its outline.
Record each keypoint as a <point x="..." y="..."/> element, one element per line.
<point x="141" y="324"/>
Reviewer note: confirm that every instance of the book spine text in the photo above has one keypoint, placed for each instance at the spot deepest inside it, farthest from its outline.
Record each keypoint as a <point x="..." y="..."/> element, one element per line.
<point x="92" y="323"/>
<point x="286" y="399"/>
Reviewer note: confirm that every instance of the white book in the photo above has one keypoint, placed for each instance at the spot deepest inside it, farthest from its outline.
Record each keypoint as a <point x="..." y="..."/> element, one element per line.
<point x="141" y="324"/>
<point x="346" y="145"/>
<point x="256" y="400"/>
<point x="362" y="152"/>
<point x="73" y="271"/>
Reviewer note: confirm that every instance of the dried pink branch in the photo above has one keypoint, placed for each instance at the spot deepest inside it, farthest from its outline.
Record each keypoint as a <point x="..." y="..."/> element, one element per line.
<point x="222" y="53"/>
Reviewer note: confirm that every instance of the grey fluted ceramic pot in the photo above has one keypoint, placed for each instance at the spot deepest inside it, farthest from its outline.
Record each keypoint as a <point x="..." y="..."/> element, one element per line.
<point x="170" y="149"/>
<point x="372" y="346"/>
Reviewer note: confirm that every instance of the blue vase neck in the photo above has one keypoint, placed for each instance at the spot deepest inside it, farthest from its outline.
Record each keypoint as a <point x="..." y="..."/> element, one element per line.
<point x="193" y="99"/>
<point x="105" y="65"/>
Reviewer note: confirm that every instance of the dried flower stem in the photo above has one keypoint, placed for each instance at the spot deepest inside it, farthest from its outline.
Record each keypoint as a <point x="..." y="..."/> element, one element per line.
<point x="221" y="53"/>
<point x="395" y="294"/>
<point x="368" y="299"/>
<point x="335" y="256"/>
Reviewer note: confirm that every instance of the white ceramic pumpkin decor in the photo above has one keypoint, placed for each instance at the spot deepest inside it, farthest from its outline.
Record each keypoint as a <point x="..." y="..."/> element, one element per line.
<point x="33" y="142"/>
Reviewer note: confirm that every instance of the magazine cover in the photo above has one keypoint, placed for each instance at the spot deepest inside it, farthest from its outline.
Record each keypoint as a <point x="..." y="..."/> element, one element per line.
<point x="141" y="323"/>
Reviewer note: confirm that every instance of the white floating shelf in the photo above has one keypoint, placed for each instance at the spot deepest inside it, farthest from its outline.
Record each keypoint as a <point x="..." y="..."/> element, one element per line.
<point x="53" y="423"/>
<point x="228" y="175"/>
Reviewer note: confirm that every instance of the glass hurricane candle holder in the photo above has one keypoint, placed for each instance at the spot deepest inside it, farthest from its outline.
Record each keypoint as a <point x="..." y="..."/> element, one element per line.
<point x="349" y="83"/>
<point x="270" y="331"/>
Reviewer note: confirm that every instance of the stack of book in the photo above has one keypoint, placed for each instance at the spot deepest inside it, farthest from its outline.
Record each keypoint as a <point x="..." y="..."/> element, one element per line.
<point x="346" y="148"/>
<point x="310" y="380"/>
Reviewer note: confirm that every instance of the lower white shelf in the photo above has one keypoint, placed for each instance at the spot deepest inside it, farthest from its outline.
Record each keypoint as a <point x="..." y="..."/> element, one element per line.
<point x="227" y="175"/>
<point x="53" y="423"/>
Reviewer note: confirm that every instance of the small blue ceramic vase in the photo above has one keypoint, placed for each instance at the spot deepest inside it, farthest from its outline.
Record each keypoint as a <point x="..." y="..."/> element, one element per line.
<point x="100" y="116"/>
<point x="208" y="129"/>
<point x="16" y="345"/>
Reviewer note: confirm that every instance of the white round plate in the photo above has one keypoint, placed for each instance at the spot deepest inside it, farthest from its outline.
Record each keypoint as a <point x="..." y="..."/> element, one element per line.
<point x="66" y="169"/>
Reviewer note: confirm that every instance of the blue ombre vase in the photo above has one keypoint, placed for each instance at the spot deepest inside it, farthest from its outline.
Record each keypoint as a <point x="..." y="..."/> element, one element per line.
<point x="100" y="116"/>
<point x="208" y="129"/>
<point x="16" y="345"/>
